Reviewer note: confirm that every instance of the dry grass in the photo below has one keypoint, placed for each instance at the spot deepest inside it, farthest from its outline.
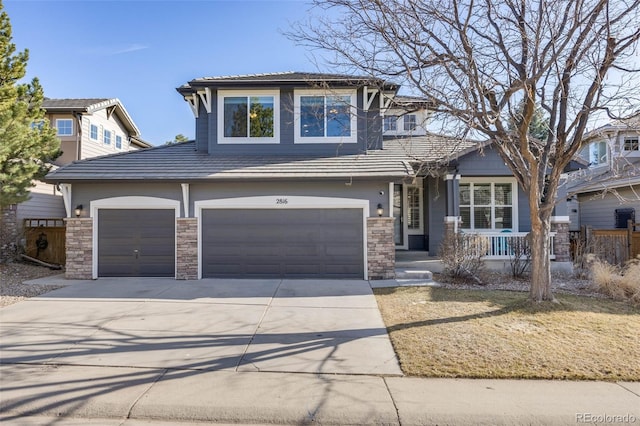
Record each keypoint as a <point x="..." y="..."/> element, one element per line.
<point x="619" y="283"/>
<point x="439" y="332"/>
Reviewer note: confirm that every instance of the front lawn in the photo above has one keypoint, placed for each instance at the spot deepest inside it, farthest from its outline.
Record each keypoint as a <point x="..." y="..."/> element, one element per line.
<point x="440" y="332"/>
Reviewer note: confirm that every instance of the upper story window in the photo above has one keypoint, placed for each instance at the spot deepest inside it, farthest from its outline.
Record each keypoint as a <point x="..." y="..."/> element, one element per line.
<point x="64" y="126"/>
<point x="488" y="205"/>
<point x="598" y="153"/>
<point x="93" y="132"/>
<point x="410" y="122"/>
<point x="248" y="117"/>
<point x="390" y="123"/>
<point x="107" y="137"/>
<point x="118" y="142"/>
<point x="631" y="144"/>
<point x="325" y="118"/>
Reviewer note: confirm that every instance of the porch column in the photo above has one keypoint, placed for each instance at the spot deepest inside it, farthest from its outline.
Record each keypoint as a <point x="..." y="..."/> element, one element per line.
<point x="79" y="248"/>
<point x="561" y="244"/>
<point x="381" y="248"/>
<point x="452" y="218"/>
<point x="187" y="248"/>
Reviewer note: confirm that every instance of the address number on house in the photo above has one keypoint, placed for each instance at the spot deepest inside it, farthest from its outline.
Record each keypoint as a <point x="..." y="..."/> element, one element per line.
<point x="282" y="201"/>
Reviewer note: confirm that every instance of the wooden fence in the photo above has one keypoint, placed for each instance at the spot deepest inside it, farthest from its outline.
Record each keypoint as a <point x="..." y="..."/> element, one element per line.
<point x="615" y="246"/>
<point x="45" y="240"/>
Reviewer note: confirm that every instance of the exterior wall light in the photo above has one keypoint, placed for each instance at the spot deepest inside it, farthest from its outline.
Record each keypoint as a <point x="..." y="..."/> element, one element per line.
<point x="380" y="210"/>
<point x="78" y="210"/>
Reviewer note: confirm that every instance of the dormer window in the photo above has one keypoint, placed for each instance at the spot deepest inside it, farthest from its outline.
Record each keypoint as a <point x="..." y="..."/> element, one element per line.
<point x="325" y="118"/>
<point x="598" y="154"/>
<point x="248" y="117"/>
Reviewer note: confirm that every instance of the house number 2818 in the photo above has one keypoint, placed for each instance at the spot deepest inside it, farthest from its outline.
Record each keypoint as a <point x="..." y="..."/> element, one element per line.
<point x="282" y="201"/>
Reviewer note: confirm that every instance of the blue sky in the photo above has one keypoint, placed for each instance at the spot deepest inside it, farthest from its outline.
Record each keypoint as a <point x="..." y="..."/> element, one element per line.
<point x="140" y="51"/>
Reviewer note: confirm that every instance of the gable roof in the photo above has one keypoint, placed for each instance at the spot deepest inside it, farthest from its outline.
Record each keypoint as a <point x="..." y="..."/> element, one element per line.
<point x="91" y="105"/>
<point x="181" y="162"/>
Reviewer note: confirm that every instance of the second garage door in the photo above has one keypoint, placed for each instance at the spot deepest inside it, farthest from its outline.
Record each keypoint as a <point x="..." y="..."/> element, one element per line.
<point x="292" y="243"/>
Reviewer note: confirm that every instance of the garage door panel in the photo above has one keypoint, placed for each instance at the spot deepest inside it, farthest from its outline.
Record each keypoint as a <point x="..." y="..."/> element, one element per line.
<point x="282" y="243"/>
<point x="136" y="242"/>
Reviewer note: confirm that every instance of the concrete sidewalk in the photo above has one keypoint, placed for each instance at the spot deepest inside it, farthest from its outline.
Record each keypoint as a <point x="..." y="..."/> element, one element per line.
<point x="134" y="396"/>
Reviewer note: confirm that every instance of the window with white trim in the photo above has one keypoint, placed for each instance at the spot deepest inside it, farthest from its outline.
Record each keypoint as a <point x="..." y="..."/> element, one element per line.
<point x="118" y="142"/>
<point x="414" y="208"/>
<point x="410" y="122"/>
<point x="390" y="123"/>
<point x="248" y="117"/>
<point x="107" y="137"/>
<point x="596" y="153"/>
<point x="93" y="132"/>
<point x="631" y="144"/>
<point x="488" y="205"/>
<point x="325" y="117"/>
<point x="64" y="126"/>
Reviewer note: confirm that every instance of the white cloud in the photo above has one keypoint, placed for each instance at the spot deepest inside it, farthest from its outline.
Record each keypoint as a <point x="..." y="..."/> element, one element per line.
<point x="114" y="50"/>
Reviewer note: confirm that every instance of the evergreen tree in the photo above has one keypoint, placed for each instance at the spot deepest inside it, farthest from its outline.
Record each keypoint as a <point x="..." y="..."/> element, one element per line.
<point x="27" y="143"/>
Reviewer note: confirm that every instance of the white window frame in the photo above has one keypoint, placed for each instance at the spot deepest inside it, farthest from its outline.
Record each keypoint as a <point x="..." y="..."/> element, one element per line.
<point x="588" y="154"/>
<point x="352" y="138"/>
<point x="629" y="139"/>
<point x="393" y="119"/>
<point x="420" y="229"/>
<point x="104" y="137"/>
<point x="410" y="125"/>
<point x="91" y="127"/>
<point x="58" y="121"/>
<point x="222" y="140"/>
<point x="515" y="226"/>
<point x="118" y="139"/>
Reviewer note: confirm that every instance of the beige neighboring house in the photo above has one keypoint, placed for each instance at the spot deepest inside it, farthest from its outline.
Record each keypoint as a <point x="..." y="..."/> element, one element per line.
<point x="86" y="128"/>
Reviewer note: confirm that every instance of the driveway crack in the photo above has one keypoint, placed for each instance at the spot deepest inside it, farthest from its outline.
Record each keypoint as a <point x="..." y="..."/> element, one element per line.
<point x="264" y="314"/>
<point x="395" y="406"/>
<point x="143" y="393"/>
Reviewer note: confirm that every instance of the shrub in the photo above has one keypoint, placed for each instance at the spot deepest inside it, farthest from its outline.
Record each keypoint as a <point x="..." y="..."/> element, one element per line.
<point x="519" y="256"/>
<point x="618" y="283"/>
<point x="461" y="255"/>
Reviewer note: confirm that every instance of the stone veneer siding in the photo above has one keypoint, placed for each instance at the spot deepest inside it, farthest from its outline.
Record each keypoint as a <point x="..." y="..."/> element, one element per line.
<point x="8" y="232"/>
<point x="561" y="243"/>
<point x="187" y="249"/>
<point x="381" y="248"/>
<point x="79" y="243"/>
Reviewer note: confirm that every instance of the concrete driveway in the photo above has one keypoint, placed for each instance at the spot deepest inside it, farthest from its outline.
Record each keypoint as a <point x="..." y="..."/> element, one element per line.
<point x="310" y="326"/>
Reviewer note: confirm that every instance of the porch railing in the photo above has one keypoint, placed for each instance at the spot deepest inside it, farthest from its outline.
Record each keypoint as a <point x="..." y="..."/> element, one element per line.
<point x="504" y="245"/>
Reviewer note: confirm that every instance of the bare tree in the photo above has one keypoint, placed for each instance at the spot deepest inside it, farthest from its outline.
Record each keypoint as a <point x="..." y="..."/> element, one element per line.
<point x="489" y="64"/>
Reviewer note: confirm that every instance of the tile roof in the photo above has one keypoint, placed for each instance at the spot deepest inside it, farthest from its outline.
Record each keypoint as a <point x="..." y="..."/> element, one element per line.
<point x="181" y="162"/>
<point x="292" y="77"/>
<point x="72" y="104"/>
<point x="625" y="172"/>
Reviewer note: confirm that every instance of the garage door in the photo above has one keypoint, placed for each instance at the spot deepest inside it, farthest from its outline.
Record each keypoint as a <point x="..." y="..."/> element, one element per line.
<point x="136" y="243"/>
<point x="292" y="243"/>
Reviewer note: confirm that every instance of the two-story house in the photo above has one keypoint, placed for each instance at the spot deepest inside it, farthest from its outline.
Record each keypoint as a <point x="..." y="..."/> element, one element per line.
<point x="289" y="176"/>
<point x="86" y="128"/>
<point x="607" y="193"/>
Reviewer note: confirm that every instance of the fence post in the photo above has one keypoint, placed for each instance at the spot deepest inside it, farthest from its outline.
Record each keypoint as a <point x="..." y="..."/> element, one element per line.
<point x="629" y="239"/>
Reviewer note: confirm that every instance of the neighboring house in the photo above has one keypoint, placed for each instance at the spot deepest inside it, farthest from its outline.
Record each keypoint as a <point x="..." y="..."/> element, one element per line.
<point x="86" y="128"/>
<point x="607" y="193"/>
<point x="289" y="176"/>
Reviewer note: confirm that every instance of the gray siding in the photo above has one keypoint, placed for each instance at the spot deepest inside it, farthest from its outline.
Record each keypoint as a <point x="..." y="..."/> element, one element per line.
<point x="599" y="212"/>
<point x="437" y="190"/>
<point x="43" y="202"/>
<point x="487" y="163"/>
<point x="369" y="132"/>
<point x="366" y="190"/>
